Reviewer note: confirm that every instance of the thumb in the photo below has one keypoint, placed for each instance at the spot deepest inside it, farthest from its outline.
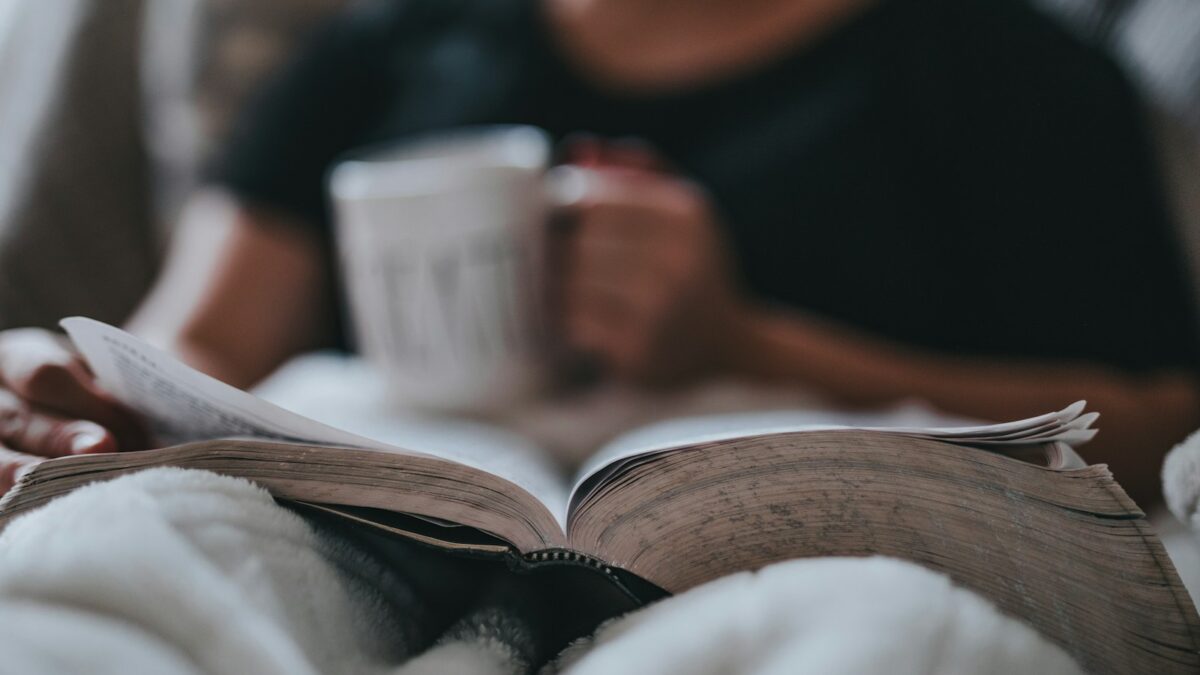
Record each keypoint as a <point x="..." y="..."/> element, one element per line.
<point x="39" y="369"/>
<point x="628" y="153"/>
<point x="29" y="430"/>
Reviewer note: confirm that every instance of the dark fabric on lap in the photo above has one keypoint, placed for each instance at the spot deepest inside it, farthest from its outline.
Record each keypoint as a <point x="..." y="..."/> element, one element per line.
<point x="475" y="600"/>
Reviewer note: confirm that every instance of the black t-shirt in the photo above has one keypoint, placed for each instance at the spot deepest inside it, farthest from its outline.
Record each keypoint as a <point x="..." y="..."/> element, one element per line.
<point x="959" y="175"/>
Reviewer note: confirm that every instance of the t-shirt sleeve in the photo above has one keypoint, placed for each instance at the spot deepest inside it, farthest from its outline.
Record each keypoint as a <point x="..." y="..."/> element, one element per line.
<point x="315" y="109"/>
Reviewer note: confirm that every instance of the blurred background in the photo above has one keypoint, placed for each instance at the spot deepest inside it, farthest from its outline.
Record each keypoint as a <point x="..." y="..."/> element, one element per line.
<point x="107" y="108"/>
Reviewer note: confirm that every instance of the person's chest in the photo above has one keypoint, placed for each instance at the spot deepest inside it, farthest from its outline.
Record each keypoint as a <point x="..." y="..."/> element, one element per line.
<point x="802" y="164"/>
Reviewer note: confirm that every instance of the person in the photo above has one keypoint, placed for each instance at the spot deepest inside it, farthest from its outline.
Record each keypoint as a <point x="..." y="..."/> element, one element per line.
<point x="877" y="199"/>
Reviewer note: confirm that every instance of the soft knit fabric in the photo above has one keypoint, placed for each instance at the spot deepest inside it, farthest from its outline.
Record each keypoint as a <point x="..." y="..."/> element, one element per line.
<point x="181" y="572"/>
<point x="823" y="616"/>
<point x="1181" y="481"/>
<point x="207" y="570"/>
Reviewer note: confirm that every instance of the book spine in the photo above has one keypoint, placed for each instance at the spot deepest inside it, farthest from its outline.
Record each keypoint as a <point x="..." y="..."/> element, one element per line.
<point x="560" y="555"/>
<point x="634" y="587"/>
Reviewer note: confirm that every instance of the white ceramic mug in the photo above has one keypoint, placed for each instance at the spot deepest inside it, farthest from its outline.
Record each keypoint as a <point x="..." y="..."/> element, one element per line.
<point x="442" y="247"/>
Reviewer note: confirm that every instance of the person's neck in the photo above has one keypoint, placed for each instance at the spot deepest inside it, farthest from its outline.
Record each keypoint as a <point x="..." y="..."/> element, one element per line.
<point x="664" y="44"/>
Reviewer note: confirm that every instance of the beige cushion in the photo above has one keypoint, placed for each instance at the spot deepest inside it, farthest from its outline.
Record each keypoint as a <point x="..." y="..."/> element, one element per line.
<point x="73" y="209"/>
<point x="102" y="126"/>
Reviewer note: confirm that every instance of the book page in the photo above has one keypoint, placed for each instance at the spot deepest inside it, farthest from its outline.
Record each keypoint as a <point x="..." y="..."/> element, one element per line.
<point x="482" y="446"/>
<point x="347" y="392"/>
<point x="1070" y="426"/>
<point x="182" y="405"/>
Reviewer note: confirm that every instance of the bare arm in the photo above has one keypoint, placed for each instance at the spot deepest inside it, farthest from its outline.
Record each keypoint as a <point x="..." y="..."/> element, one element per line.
<point x="1142" y="416"/>
<point x="242" y="292"/>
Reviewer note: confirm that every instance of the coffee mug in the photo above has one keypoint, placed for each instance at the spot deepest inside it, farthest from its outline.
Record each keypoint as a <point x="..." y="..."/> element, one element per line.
<point x="442" y="249"/>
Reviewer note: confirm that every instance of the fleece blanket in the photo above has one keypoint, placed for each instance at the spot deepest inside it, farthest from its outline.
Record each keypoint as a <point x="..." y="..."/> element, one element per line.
<point x="184" y="572"/>
<point x="1181" y="481"/>
<point x="1179" y="528"/>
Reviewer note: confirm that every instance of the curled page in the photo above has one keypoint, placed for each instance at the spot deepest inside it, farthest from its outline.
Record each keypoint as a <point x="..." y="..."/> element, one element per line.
<point x="182" y="404"/>
<point x="1069" y="426"/>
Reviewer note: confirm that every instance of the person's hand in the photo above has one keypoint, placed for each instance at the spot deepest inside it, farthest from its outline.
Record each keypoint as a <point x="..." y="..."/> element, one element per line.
<point x="647" y="283"/>
<point x="51" y="406"/>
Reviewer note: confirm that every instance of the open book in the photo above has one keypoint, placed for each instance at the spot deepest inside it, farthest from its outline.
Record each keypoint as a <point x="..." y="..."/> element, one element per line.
<point x="1009" y="510"/>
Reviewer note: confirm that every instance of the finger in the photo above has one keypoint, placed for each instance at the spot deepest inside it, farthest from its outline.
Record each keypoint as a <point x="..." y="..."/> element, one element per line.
<point x="604" y="325"/>
<point x="39" y="369"/>
<point x="615" y="353"/>
<point x="614" y="262"/>
<point x="37" y="432"/>
<point x="633" y="275"/>
<point x="653" y="190"/>
<point x="42" y="371"/>
<point x="631" y="153"/>
<point x="13" y="465"/>
<point x="591" y="331"/>
<point x="635" y="306"/>
<point x="627" y="231"/>
<point x="583" y="149"/>
<point x="606" y="304"/>
<point x="22" y="351"/>
<point x="628" y="153"/>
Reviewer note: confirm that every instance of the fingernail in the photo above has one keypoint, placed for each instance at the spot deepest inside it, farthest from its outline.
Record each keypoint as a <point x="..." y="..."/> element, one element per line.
<point x="582" y="148"/>
<point x="567" y="185"/>
<point x="86" y="441"/>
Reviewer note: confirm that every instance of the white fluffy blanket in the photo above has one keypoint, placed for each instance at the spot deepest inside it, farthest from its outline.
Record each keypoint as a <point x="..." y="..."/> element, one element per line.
<point x="181" y="572"/>
<point x="1181" y="481"/>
